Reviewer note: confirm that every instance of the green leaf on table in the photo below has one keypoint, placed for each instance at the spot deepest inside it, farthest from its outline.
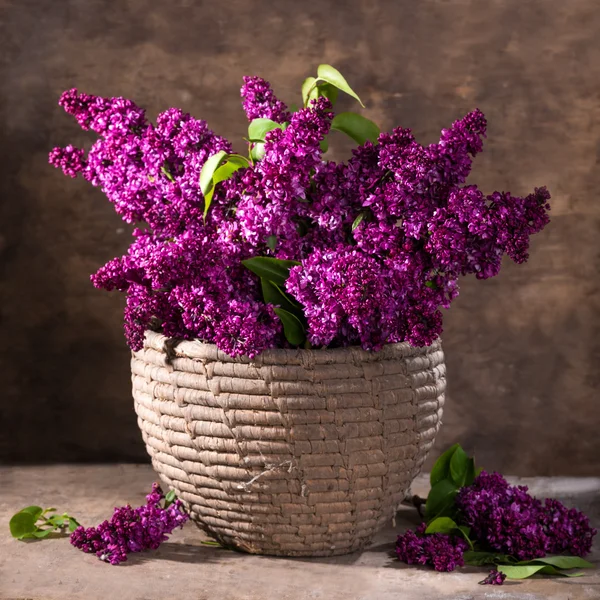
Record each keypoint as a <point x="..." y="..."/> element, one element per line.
<point x="524" y="571"/>
<point x="57" y="520"/>
<point x="258" y="128"/>
<point x="35" y="511"/>
<point x="477" y="559"/>
<point x="292" y="327"/>
<point x="441" y="525"/>
<point x="470" y="476"/>
<point x="359" y="128"/>
<point x="440" y="499"/>
<point x="73" y="524"/>
<point x="21" y="524"/>
<point x="560" y="562"/>
<point x="441" y="468"/>
<point x="41" y="533"/>
<point x="459" y="466"/>
<point x="332" y="76"/>
<point x="273" y="269"/>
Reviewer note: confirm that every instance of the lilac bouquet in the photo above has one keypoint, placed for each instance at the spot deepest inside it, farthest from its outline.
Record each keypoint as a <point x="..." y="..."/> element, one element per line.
<point x="477" y="518"/>
<point x="281" y="248"/>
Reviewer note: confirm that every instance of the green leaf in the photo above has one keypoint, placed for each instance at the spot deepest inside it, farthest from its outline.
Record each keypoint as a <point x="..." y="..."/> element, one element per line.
<point x="57" y="520"/>
<point x="478" y="559"/>
<point x="328" y="91"/>
<point x="273" y="294"/>
<point x="359" y="219"/>
<point x="272" y="242"/>
<point x="440" y="499"/>
<point x="169" y="498"/>
<point x="308" y="90"/>
<point x="324" y="144"/>
<point x="524" y="571"/>
<point x="73" y="524"/>
<point x="208" y="170"/>
<point x="22" y="524"/>
<point x="258" y="128"/>
<point x="165" y="171"/>
<point x="273" y="269"/>
<point x="466" y="532"/>
<point x="478" y="471"/>
<point x="430" y="284"/>
<point x="331" y="75"/>
<point x="359" y="128"/>
<point x="519" y="572"/>
<point x="470" y="476"/>
<point x="41" y="533"/>
<point x="257" y="151"/>
<point x="560" y="562"/>
<point x="292" y="328"/>
<point x="441" y="468"/>
<point x="35" y="511"/>
<point x="459" y="465"/>
<point x="441" y="525"/>
<point x="233" y="163"/>
<point x="549" y="570"/>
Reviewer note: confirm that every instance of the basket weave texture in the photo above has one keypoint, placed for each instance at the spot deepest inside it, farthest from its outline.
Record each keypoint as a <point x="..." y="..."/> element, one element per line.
<point x="292" y="453"/>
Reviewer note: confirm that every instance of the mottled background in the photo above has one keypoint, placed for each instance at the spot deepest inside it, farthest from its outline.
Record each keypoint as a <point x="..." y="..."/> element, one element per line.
<point x="522" y="349"/>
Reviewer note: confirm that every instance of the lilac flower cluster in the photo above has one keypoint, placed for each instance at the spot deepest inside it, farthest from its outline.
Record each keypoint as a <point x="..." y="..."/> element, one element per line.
<point x="131" y="530"/>
<point x="382" y="239"/>
<point x="508" y="519"/>
<point x="443" y="552"/>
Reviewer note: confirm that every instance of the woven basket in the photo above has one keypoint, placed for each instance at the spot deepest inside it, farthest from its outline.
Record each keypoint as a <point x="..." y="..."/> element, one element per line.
<point x="293" y="453"/>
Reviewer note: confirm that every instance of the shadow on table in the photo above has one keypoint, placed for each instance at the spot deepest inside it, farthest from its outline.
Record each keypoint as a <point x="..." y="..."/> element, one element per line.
<point x="183" y="553"/>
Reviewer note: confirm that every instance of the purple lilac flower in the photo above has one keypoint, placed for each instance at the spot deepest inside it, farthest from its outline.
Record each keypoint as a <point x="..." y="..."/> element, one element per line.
<point x="382" y="239"/>
<point x="494" y="578"/>
<point x="260" y="101"/>
<point x="131" y="530"/>
<point x="508" y="519"/>
<point x="443" y="552"/>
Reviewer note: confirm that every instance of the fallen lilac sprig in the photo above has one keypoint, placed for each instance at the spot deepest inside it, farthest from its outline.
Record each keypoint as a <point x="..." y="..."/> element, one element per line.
<point x="132" y="530"/>
<point x="483" y="520"/>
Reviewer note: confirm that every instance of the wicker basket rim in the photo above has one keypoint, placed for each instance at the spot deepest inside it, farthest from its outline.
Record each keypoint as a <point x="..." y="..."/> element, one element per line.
<point x="197" y="349"/>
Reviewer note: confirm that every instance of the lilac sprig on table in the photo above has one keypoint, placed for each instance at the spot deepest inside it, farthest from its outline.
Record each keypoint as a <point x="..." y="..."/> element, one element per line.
<point x="478" y="518"/>
<point x="133" y="529"/>
<point x="283" y="248"/>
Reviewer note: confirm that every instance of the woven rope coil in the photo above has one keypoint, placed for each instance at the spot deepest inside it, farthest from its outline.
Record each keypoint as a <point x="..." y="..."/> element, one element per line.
<point x="293" y="453"/>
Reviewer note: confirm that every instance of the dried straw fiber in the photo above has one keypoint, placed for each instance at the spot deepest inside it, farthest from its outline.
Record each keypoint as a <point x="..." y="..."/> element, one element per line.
<point x="292" y="453"/>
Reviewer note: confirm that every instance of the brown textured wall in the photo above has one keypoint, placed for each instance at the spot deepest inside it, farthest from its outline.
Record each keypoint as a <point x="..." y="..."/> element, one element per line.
<point x="522" y="349"/>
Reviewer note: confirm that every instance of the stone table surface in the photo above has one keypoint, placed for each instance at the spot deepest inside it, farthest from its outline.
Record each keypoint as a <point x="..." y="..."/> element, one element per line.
<point x="184" y="568"/>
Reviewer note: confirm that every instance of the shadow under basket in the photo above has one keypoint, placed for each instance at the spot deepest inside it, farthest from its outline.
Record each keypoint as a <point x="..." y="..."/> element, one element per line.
<point x="294" y="452"/>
